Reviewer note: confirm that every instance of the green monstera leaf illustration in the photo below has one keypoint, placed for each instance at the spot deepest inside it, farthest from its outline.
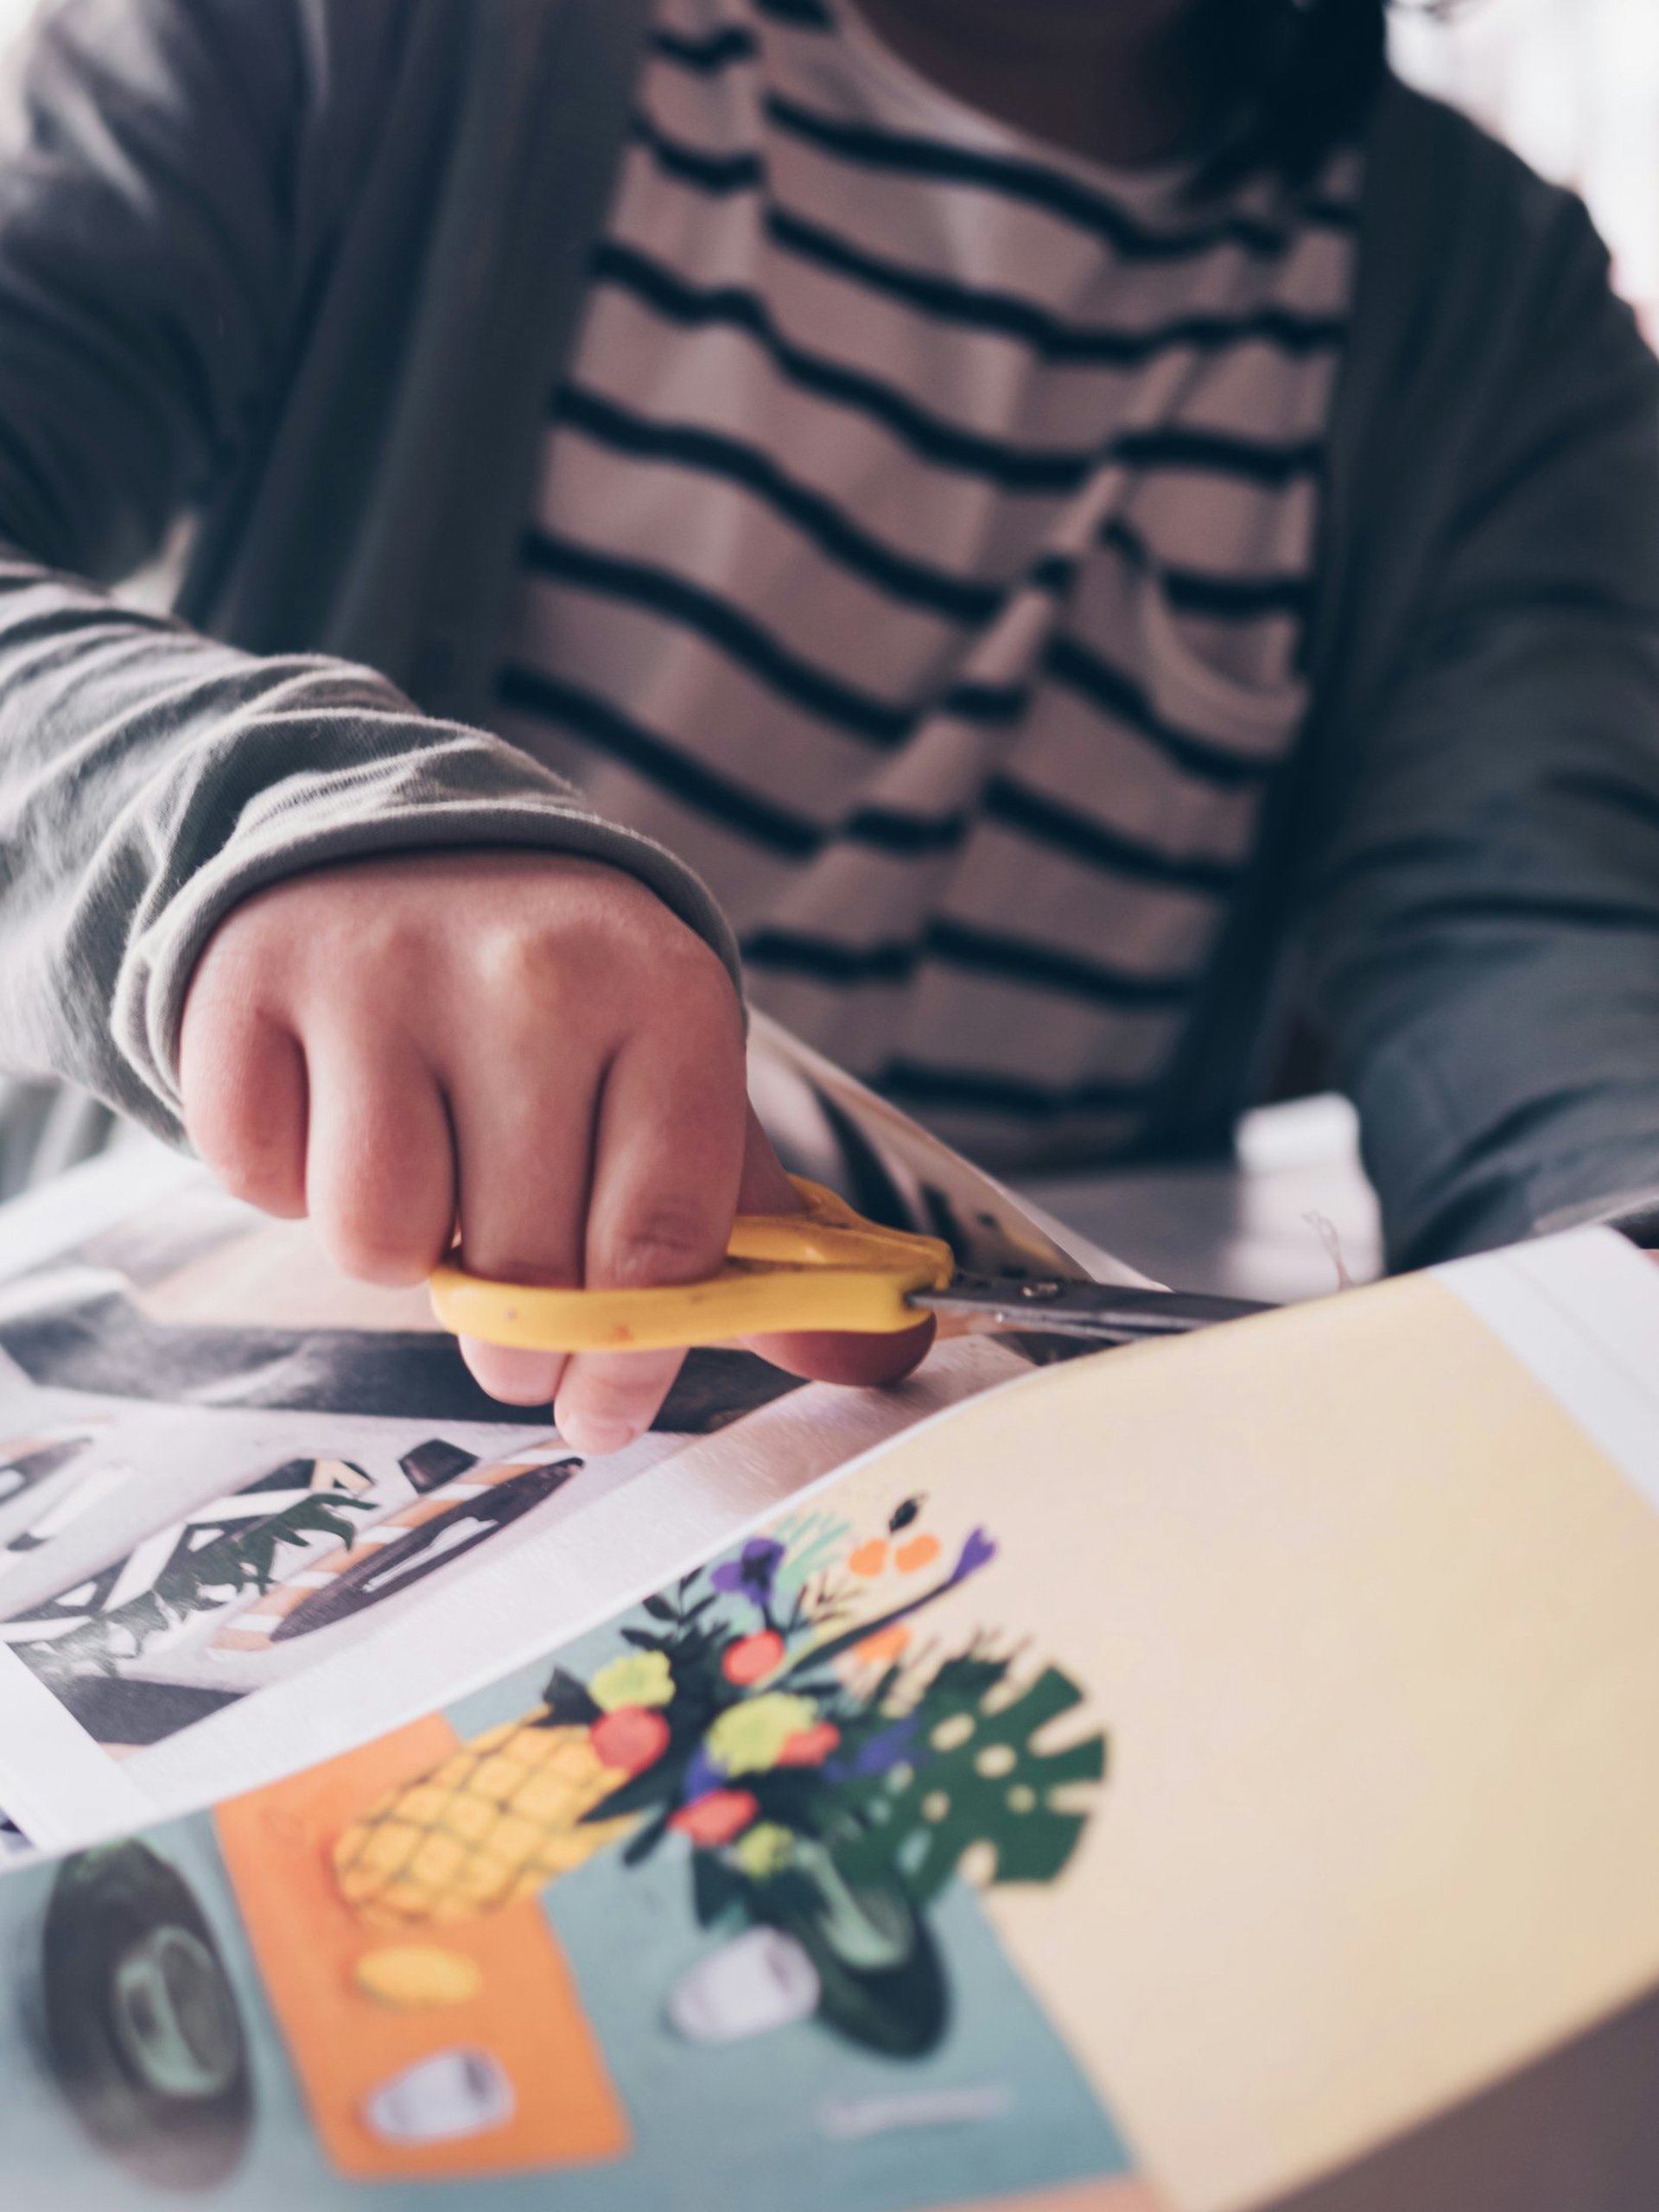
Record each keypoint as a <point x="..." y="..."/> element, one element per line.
<point x="232" y="1564"/>
<point x="972" y="1776"/>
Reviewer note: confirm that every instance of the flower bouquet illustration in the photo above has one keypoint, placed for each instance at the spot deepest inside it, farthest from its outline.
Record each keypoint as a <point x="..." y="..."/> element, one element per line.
<point x="830" y="1770"/>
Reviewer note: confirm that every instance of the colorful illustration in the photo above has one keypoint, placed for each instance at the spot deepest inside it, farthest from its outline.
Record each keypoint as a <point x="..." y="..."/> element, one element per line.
<point x="204" y="1563"/>
<point x="448" y="1519"/>
<point x="184" y="1344"/>
<point x="137" y="1648"/>
<point x="99" y="1644"/>
<point x="830" y="1785"/>
<point x="720" y="1907"/>
<point x="123" y="1640"/>
<point x="796" y="1884"/>
<point x="467" y="2055"/>
<point x="192" y="1514"/>
<point x="686" y="1922"/>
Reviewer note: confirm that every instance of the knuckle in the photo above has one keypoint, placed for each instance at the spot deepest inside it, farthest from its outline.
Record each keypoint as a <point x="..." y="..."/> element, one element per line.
<point x="694" y="971"/>
<point x="516" y="1378"/>
<point x="520" y="1263"/>
<point x="603" y="1399"/>
<point x="218" y="1041"/>
<point x="240" y="966"/>
<point x="608" y="1405"/>
<point x="616" y="959"/>
<point x="376" y="1253"/>
<point x="689" y="1015"/>
<point x="524" y="971"/>
<point x="260" y="1176"/>
<point x="247" y="1141"/>
<point x="375" y="1241"/>
<point x="670" y="1241"/>
<point x="396" y="955"/>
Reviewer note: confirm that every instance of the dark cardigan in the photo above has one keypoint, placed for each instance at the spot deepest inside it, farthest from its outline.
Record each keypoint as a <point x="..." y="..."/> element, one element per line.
<point x="308" y="268"/>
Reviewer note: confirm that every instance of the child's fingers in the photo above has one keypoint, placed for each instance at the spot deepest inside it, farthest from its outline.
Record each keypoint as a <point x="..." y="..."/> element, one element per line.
<point x="823" y="1355"/>
<point x="827" y="1356"/>
<point x="668" y="1155"/>
<point x="242" y="1080"/>
<point x="535" y="1048"/>
<point x="523" y="1117"/>
<point x="380" y="1172"/>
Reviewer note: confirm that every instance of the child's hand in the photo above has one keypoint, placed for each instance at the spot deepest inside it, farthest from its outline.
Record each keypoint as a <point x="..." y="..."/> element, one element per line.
<point x="530" y="1046"/>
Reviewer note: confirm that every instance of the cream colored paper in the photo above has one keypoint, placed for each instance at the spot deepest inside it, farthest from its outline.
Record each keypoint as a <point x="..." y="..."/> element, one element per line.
<point x="1374" y="1631"/>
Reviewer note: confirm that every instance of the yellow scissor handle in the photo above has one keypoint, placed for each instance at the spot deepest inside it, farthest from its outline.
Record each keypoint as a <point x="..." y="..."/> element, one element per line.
<point x="824" y="1268"/>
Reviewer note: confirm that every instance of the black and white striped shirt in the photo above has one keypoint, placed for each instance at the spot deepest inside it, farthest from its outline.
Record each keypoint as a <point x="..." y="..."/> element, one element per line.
<point x="919" y="550"/>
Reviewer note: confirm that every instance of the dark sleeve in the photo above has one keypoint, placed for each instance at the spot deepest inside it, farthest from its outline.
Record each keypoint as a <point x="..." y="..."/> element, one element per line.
<point x="151" y="184"/>
<point x="1486" y="930"/>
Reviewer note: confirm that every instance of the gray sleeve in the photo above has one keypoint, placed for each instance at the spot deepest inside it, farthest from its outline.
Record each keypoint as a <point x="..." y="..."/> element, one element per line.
<point x="1486" y="931"/>
<point x="149" y="777"/>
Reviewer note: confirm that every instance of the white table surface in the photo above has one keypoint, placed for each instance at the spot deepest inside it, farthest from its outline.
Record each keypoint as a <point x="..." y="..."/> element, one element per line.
<point x="1273" y="1226"/>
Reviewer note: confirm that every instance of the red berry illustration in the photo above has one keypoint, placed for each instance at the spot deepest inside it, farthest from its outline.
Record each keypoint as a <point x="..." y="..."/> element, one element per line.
<point x="716" y="1817"/>
<point x="811" y="1746"/>
<point x="751" y="1657"/>
<point x="633" y="1738"/>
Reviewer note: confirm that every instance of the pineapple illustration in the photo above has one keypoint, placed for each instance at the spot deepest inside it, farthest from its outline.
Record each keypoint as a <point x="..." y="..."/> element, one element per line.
<point x="500" y="1817"/>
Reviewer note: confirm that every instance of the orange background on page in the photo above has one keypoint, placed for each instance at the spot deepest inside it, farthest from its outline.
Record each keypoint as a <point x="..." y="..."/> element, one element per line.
<point x="345" y="2045"/>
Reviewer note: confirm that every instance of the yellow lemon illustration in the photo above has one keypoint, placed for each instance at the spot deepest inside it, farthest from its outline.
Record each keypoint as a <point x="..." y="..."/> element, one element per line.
<point x="747" y="1738"/>
<point x="417" y="1977"/>
<point x="635" y="1678"/>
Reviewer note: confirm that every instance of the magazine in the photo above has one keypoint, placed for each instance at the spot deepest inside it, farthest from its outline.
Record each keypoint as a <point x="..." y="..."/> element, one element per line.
<point x="1184" y="1776"/>
<point x="250" y="1510"/>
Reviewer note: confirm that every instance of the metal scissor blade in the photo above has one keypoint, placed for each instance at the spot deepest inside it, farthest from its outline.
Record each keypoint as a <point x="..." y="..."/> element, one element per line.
<point x="1108" y="1313"/>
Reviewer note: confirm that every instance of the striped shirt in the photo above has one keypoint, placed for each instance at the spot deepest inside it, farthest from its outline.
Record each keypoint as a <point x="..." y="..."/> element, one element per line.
<point x="919" y="548"/>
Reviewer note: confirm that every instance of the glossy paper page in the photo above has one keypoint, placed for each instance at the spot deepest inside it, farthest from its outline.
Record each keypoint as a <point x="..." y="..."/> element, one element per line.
<point x="1165" y="1780"/>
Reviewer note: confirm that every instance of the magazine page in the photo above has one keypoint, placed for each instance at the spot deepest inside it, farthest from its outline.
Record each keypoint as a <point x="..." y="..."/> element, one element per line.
<point x="250" y="1511"/>
<point x="828" y="1125"/>
<point x="1162" y="1782"/>
<point x="676" y="1915"/>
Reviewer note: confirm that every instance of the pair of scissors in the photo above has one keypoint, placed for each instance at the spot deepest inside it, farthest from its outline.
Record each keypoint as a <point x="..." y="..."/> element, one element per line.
<point x="824" y="1267"/>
